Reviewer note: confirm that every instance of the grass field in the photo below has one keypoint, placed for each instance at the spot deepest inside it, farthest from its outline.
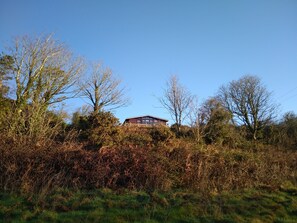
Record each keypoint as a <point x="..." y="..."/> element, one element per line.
<point x="138" y="206"/>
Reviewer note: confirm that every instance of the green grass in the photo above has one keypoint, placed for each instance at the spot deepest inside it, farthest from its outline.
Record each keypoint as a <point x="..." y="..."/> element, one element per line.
<point x="133" y="206"/>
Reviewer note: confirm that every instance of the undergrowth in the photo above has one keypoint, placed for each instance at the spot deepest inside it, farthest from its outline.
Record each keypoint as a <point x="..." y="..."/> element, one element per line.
<point x="34" y="168"/>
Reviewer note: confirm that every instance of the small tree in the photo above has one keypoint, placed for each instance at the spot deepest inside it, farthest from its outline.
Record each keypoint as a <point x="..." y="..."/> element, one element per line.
<point x="249" y="102"/>
<point x="176" y="100"/>
<point x="195" y="118"/>
<point x="215" y="120"/>
<point x="103" y="90"/>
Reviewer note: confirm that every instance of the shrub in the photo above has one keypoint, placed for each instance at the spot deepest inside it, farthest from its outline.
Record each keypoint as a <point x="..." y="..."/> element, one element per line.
<point x="104" y="129"/>
<point x="97" y="130"/>
<point x="182" y="131"/>
<point x="160" y="134"/>
<point x="134" y="135"/>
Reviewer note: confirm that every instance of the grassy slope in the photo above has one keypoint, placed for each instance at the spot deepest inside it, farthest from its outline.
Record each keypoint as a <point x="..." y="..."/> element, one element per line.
<point x="179" y="206"/>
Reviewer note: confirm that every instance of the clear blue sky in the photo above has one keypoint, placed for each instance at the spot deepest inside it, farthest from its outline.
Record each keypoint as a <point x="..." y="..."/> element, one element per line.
<point x="206" y="43"/>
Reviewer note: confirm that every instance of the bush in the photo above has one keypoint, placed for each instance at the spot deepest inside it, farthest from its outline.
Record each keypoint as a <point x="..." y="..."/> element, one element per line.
<point x="6" y="108"/>
<point x="137" y="136"/>
<point x="97" y="130"/>
<point x="161" y="134"/>
<point x="181" y="132"/>
<point x="104" y="129"/>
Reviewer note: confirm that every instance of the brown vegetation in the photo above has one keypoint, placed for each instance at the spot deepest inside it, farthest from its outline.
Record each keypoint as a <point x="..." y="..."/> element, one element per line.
<point x="29" y="168"/>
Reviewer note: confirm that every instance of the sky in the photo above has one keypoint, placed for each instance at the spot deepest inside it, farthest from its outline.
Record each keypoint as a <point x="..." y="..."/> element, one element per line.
<point x="206" y="43"/>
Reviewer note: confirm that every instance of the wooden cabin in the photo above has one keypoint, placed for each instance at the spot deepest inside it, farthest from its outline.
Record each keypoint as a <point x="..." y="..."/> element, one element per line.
<point x="146" y="120"/>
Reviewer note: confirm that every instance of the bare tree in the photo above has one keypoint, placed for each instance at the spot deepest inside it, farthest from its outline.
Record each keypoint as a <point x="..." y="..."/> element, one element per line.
<point x="43" y="70"/>
<point x="196" y="120"/>
<point x="249" y="102"/>
<point x="177" y="100"/>
<point x="103" y="89"/>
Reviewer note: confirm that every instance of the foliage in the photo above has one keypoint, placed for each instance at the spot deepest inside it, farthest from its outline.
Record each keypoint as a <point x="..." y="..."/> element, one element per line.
<point x="289" y="125"/>
<point x="103" y="129"/>
<point x="97" y="130"/>
<point x="146" y="136"/>
<point x="79" y="118"/>
<point x="216" y="123"/>
<point x="137" y="136"/>
<point x="33" y="124"/>
<point x="284" y="133"/>
<point x="6" y="108"/>
<point x="161" y="134"/>
<point x="6" y="64"/>
<point x="182" y="131"/>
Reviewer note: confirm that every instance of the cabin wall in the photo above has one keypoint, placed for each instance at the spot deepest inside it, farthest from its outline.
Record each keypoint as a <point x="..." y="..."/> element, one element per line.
<point x="146" y="120"/>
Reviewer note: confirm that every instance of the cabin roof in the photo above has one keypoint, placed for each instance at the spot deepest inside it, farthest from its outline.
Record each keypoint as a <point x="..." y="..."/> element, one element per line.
<point x="147" y="116"/>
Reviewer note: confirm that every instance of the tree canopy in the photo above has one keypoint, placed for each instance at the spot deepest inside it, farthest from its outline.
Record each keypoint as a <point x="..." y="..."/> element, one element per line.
<point x="250" y="103"/>
<point x="43" y="70"/>
<point x="103" y="89"/>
